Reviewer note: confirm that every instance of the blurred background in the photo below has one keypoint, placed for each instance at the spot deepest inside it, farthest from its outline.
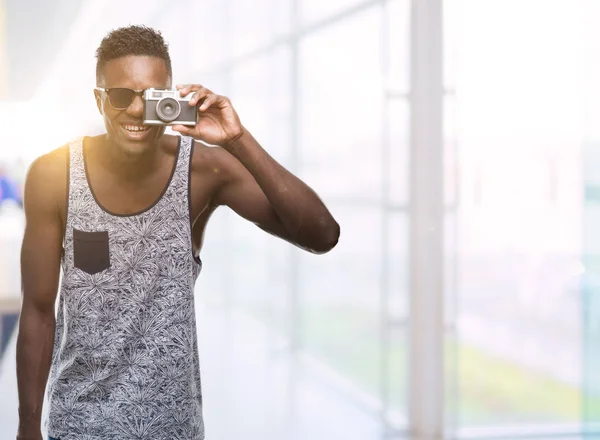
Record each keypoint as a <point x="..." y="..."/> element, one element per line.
<point x="457" y="142"/>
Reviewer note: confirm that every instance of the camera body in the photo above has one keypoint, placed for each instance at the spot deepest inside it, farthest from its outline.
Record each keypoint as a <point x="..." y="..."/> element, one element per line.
<point x="168" y="107"/>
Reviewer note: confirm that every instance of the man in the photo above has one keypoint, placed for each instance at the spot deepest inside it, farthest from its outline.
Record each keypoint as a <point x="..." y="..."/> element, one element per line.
<point x="124" y="215"/>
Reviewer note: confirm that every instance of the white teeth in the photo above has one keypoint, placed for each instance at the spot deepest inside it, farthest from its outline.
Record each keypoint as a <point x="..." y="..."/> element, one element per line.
<point x="135" y="128"/>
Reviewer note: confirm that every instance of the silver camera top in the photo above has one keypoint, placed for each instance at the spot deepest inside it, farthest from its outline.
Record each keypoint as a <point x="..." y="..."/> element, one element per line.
<point x="158" y="94"/>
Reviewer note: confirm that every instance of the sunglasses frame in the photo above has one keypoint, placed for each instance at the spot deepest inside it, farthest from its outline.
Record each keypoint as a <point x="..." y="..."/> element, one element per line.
<point x="139" y="93"/>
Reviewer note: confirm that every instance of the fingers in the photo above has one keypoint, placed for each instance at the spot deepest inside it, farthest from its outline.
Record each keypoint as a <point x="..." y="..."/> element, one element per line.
<point x="186" y="131"/>
<point x="209" y="100"/>
<point x="185" y="89"/>
<point x="198" y="90"/>
<point x="202" y="95"/>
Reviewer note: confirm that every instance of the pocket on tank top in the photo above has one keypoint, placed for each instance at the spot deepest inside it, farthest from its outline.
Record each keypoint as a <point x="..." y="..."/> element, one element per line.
<point x="91" y="251"/>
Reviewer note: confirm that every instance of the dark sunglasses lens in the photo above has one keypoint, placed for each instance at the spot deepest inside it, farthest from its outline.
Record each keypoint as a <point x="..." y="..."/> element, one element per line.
<point x="120" y="98"/>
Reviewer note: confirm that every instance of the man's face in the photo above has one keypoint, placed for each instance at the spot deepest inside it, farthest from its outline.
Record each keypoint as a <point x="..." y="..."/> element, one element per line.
<point x="123" y="126"/>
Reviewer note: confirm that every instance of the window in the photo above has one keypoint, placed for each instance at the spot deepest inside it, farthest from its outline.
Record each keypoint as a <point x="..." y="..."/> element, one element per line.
<point x="517" y="118"/>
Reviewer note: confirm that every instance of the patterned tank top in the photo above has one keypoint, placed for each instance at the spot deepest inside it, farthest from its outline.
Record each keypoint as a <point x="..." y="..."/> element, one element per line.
<point x="125" y="361"/>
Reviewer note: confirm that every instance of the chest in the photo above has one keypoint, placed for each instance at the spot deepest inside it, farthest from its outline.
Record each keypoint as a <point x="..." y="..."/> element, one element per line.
<point x="126" y="197"/>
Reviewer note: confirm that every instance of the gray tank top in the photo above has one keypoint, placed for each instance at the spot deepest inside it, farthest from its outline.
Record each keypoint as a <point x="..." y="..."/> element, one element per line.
<point x="125" y="361"/>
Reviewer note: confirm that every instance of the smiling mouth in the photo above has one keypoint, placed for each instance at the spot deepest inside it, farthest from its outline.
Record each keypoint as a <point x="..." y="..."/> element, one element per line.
<point x="136" y="132"/>
<point x="135" y="129"/>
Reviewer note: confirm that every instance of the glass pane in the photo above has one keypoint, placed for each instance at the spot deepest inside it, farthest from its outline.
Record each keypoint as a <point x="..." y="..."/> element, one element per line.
<point x="255" y="23"/>
<point x="261" y="93"/>
<point x="259" y="269"/>
<point x="396" y="267"/>
<point x="314" y="10"/>
<point x="591" y="69"/>
<point x="451" y="357"/>
<point x="249" y="94"/>
<point x="397" y="15"/>
<point x="341" y="108"/>
<point x="591" y="310"/>
<point x="399" y="159"/>
<point x="396" y="273"/>
<point x="397" y="378"/>
<point x="450" y="269"/>
<point x="591" y="217"/>
<point x="5" y="68"/>
<point x="340" y="291"/>
<point x="450" y="152"/>
<point x="210" y="37"/>
<point x="519" y="222"/>
<point x="452" y="26"/>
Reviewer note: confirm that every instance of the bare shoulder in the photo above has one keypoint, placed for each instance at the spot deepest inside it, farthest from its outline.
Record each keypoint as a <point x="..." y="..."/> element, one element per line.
<point x="212" y="161"/>
<point x="50" y="168"/>
<point x="212" y="169"/>
<point x="47" y="178"/>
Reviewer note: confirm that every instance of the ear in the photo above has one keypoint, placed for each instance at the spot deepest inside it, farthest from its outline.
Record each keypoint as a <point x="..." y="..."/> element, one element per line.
<point x="98" y="101"/>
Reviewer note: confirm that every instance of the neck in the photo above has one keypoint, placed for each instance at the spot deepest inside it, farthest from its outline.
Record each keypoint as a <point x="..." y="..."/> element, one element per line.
<point x="128" y="166"/>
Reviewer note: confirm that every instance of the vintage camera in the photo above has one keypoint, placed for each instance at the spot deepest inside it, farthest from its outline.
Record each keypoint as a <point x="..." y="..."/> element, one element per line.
<point x="168" y="107"/>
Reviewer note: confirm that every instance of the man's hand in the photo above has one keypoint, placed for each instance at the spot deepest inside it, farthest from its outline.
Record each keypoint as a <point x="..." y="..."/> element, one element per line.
<point x="218" y="122"/>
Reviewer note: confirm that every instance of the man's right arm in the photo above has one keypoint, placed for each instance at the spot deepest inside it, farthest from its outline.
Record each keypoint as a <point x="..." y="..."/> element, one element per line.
<point x="45" y="191"/>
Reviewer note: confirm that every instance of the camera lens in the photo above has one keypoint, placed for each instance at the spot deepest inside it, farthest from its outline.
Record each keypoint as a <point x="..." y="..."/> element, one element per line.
<point x="168" y="109"/>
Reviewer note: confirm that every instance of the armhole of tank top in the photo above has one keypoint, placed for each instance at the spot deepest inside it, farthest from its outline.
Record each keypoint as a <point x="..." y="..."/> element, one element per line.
<point x="68" y="194"/>
<point x="196" y="258"/>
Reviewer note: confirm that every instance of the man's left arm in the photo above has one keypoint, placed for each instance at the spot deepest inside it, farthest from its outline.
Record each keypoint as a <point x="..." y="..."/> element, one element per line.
<point x="255" y="185"/>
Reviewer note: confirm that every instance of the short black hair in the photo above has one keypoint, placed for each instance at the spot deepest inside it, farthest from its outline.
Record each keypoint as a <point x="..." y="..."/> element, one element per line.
<point x="131" y="40"/>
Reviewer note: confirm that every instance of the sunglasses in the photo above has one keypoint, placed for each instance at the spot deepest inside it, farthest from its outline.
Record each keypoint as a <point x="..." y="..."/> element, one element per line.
<point x="120" y="98"/>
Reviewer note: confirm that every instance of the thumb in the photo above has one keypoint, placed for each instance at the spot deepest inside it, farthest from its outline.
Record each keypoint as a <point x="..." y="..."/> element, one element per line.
<point x="182" y="129"/>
